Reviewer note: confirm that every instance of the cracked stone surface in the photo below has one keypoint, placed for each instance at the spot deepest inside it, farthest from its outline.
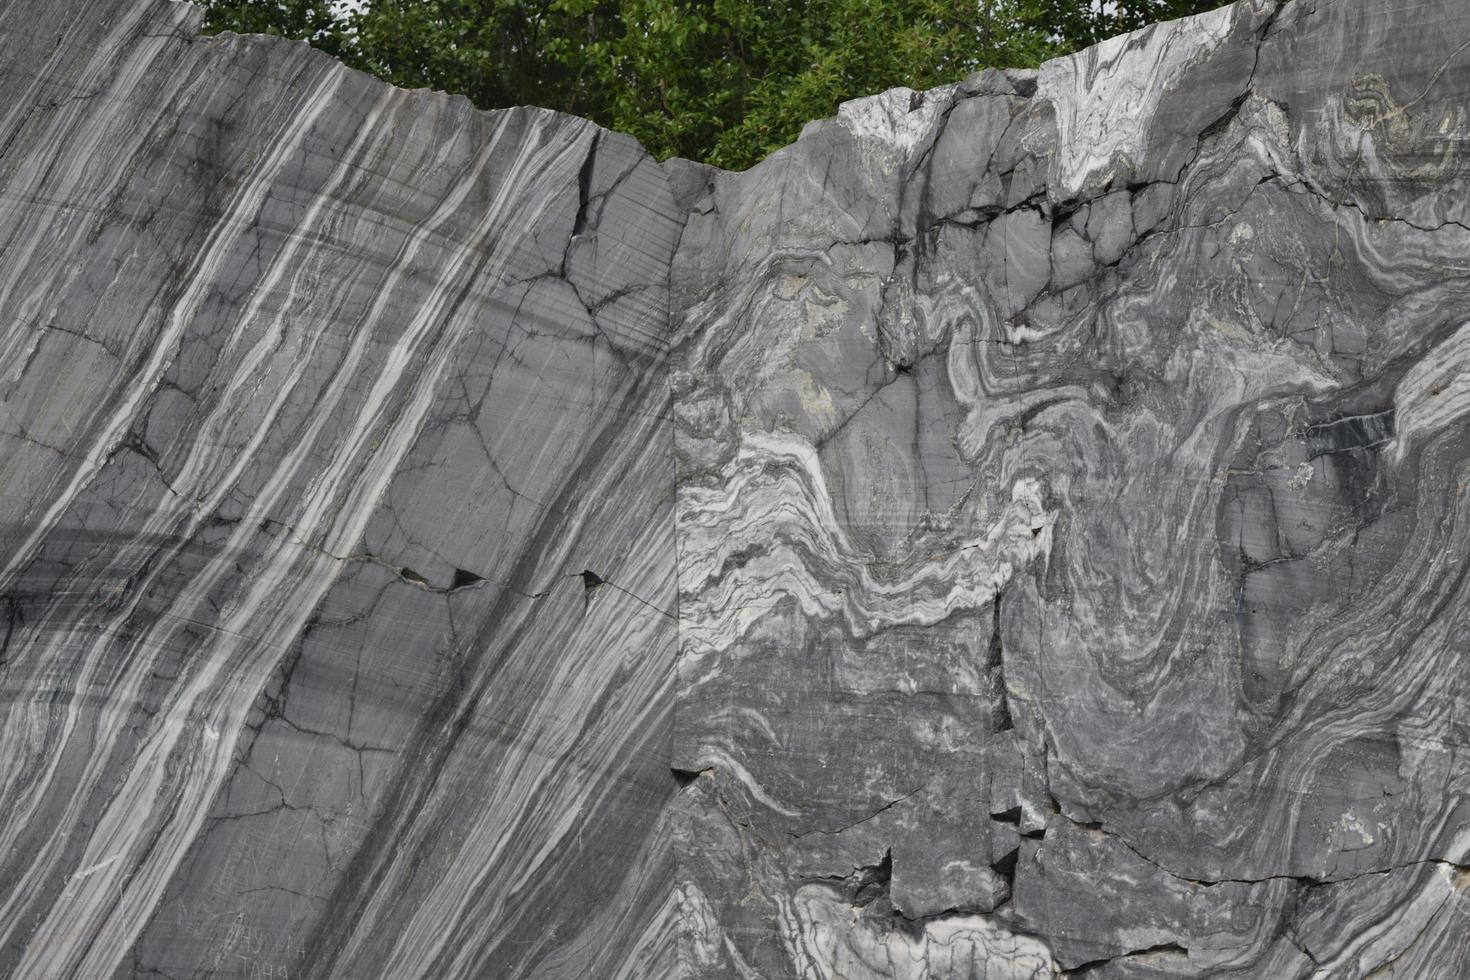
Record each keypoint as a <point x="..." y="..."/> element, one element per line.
<point x="1018" y="530"/>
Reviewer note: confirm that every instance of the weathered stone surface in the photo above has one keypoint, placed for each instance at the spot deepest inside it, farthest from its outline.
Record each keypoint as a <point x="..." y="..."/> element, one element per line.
<point x="319" y="397"/>
<point x="1017" y="530"/>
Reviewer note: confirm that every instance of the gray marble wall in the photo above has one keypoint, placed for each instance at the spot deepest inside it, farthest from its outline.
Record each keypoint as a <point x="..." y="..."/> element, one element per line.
<point x="1020" y="529"/>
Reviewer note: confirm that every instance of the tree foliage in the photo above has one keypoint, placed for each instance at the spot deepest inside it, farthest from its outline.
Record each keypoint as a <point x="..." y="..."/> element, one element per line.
<point x="724" y="81"/>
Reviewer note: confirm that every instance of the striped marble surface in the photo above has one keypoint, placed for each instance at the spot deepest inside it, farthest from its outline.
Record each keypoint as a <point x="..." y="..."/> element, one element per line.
<point x="1018" y="530"/>
<point x="319" y="399"/>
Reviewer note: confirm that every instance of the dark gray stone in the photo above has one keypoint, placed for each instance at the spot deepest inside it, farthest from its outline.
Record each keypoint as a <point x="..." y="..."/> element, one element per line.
<point x="1018" y="530"/>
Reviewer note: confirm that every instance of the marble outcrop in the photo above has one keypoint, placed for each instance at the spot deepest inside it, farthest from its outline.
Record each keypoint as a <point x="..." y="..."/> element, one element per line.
<point x="1019" y="530"/>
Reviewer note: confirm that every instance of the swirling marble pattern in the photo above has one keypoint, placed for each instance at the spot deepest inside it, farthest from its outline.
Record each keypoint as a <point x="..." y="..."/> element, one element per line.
<point x="1073" y="512"/>
<point x="1018" y="530"/>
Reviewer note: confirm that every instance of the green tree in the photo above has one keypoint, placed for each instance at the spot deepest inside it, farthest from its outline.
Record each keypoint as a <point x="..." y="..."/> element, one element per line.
<point x="724" y="81"/>
<point x="300" y="20"/>
<point x="496" y="52"/>
<point x="1074" y="24"/>
<point x="728" y="81"/>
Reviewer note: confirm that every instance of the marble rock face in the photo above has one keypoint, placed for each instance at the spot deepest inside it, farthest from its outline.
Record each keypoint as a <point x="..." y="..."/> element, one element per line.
<point x="1019" y="530"/>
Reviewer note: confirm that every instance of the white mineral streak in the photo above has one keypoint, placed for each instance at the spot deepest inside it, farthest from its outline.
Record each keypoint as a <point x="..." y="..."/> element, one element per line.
<point x="824" y="943"/>
<point x="773" y="496"/>
<point x="1105" y="97"/>
<point x="1435" y="393"/>
<point x="899" y="119"/>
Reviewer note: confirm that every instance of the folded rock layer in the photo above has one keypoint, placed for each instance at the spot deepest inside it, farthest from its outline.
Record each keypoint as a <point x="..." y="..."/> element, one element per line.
<point x="1021" y="529"/>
